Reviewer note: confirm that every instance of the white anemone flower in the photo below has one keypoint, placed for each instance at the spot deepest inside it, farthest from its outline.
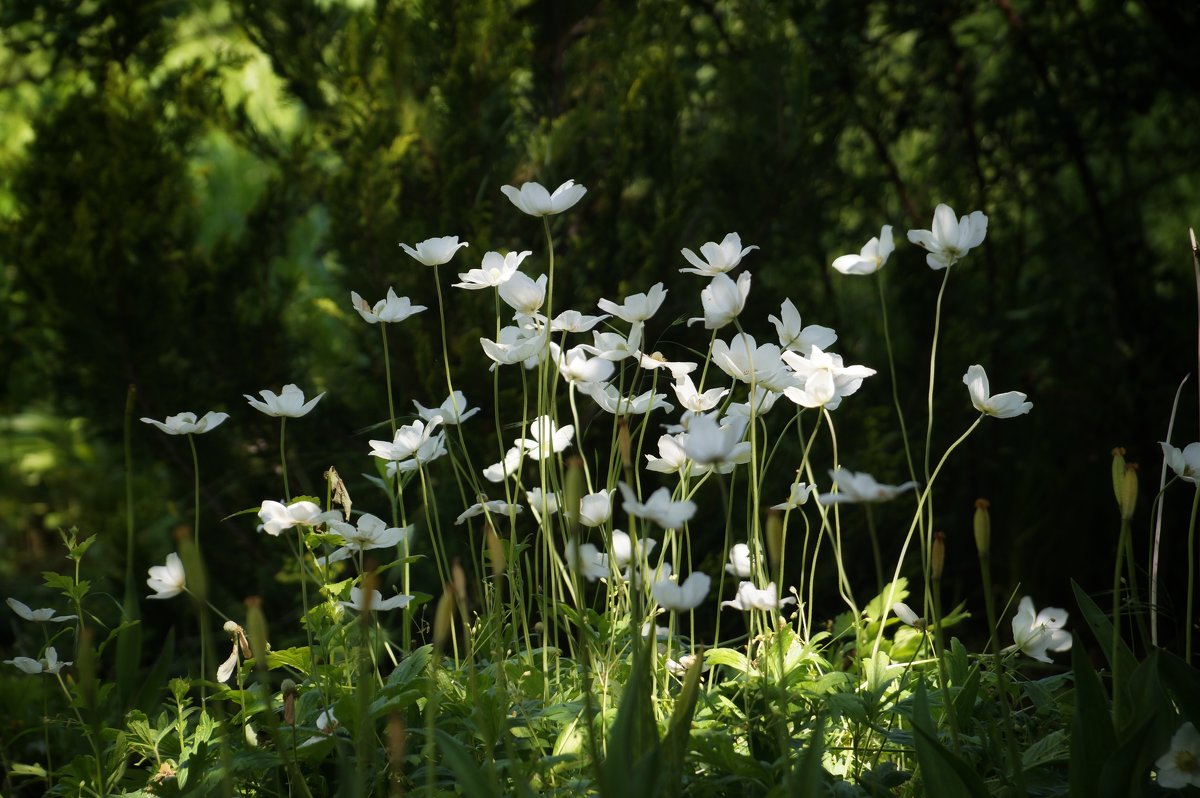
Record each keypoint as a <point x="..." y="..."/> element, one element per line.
<point x="1002" y="405"/>
<point x="497" y="506"/>
<point x="621" y="549"/>
<point x="871" y="259"/>
<point x="610" y="399"/>
<point x="723" y="300"/>
<point x="739" y="561"/>
<point x="573" y="321"/>
<point x="596" y="508"/>
<point x="681" y="597"/>
<point x="43" y="615"/>
<point x="636" y="307"/>
<point x="758" y="403"/>
<point x="575" y="366"/>
<point x="658" y="508"/>
<point x="167" y="581"/>
<point x="435" y="251"/>
<point x="524" y="294"/>
<point x="795" y="336"/>
<point x="716" y="444"/>
<point x="800" y="493"/>
<point x="288" y="404"/>
<point x="327" y="724"/>
<point x="186" y="423"/>
<point x="390" y="310"/>
<point x="453" y="410"/>
<point x="744" y="360"/>
<point x="860" y="488"/>
<point x="951" y="238"/>
<point x="515" y="345"/>
<point x="360" y="601"/>
<point x="535" y="200"/>
<point x="750" y="597"/>
<point x="825" y="380"/>
<point x="1035" y="633"/>
<point x="547" y="438"/>
<point x="693" y="400"/>
<point x="407" y="440"/>
<point x="493" y="272"/>
<point x="498" y="472"/>
<point x="1179" y="767"/>
<point x="1185" y="463"/>
<point x="907" y="615"/>
<point x="656" y="360"/>
<point x="589" y="561"/>
<point x="614" y="346"/>
<point x="371" y="532"/>
<point x="277" y="517"/>
<point x="542" y="505"/>
<point x="672" y="456"/>
<point x="49" y="663"/>
<point x="718" y="258"/>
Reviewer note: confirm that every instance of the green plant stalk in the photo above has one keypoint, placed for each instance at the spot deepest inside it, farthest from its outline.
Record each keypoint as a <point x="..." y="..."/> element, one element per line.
<point x="1117" y="675"/>
<point x="913" y="526"/>
<point x="1191" y="580"/>
<point x="387" y="371"/>
<point x="878" y="556"/>
<point x="926" y="545"/>
<point x="989" y="602"/>
<point x="201" y="610"/>
<point x="939" y="651"/>
<point x="287" y="493"/>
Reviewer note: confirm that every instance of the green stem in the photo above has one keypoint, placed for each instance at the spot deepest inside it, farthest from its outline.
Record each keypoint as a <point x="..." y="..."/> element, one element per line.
<point x="287" y="493"/>
<point x="937" y="327"/>
<point x="1191" y="581"/>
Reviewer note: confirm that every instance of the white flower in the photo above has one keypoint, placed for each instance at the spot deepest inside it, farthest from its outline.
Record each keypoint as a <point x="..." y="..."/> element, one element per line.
<point x="595" y="508"/>
<point x="1179" y="767"/>
<point x="575" y="366"/>
<point x="167" y="581"/>
<point x="859" y="488"/>
<point x="533" y="199"/>
<point x="360" y="602"/>
<point x="825" y="381"/>
<point x="679" y="669"/>
<point x="950" y="239"/>
<point x="541" y="505"/>
<point x="371" y="532"/>
<point x="186" y="423"/>
<point x="872" y="257"/>
<point x="723" y="300"/>
<point x="573" y="321"/>
<point x="240" y="646"/>
<point x="1035" y="634"/>
<point x="656" y="360"/>
<point x="547" y="438"/>
<point x="718" y="258"/>
<point x="906" y="615"/>
<point x="1002" y="405"/>
<point x="288" y="404"/>
<point x="452" y="411"/>
<point x="691" y="399"/>
<point x="610" y="399"/>
<point x="672" y="457"/>
<point x="636" y="307"/>
<point x="408" y="439"/>
<point x="658" y="508"/>
<point x="614" y="346"/>
<point x="393" y="309"/>
<point x="276" y="517"/>
<point x="681" y="597"/>
<point x="1185" y="463"/>
<point x="327" y="724"/>
<point x="710" y="443"/>
<point x="37" y="616"/>
<point x="622" y="548"/>
<point x="744" y="360"/>
<point x="495" y="506"/>
<point x="758" y="403"/>
<point x="751" y="598"/>
<point x="498" y="472"/>
<point x="800" y="492"/>
<point x="524" y="294"/>
<point x="796" y="337"/>
<point x="739" y="560"/>
<point x="495" y="271"/>
<point x="515" y="345"/>
<point x="587" y="560"/>
<point x="49" y="663"/>
<point x="435" y="251"/>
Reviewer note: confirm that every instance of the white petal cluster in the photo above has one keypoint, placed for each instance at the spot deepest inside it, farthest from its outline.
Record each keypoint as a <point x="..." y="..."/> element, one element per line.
<point x="951" y="238"/>
<point x="167" y="581"/>
<point x="1184" y="462"/>
<point x="49" y="663"/>
<point x="434" y="251"/>
<point x="277" y="517"/>
<point x="361" y="601"/>
<point x="793" y="335"/>
<point x="1179" y="767"/>
<point x="413" y="446"/>
<point x="636" y="307"/>
<point x="853" y="487"/>
<point x="535" y="200"/>
<point x="288" y="404"/>
<point x="493" y="272"/>
<point x="1035" y="633"/>
<point x="1002" y="405"/>
<point x="681" y="596"/>
<point x="658" y="508"/>
<point x="389" y="311"/>
<point x="824" y="379"/>
<point x="43" y="615"/>
<point x="723" y="300"/>
<point x="454" y="410"/>
<point x="873" y="256"/>
<point x="718" y="258"/>
<point x="186" y="423"/>
<point x="750" y="597"/>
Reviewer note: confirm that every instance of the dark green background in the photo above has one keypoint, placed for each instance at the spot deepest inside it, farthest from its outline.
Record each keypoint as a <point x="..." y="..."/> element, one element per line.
<point x="189" y="191"/>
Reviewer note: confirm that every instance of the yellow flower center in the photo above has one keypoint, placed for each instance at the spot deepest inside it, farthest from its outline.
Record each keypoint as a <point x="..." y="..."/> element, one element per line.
<point x="1186" y="761"/>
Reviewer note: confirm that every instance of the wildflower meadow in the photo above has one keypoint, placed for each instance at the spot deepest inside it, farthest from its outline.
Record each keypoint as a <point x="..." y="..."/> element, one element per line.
<point x="561" y="528"/>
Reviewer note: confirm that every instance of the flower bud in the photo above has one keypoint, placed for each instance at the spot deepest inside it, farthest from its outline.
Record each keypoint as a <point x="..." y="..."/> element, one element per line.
<point x="1127" y="498"/>
<point x="397" y="741"/>
<point x="775" y="538"/>
<point x="983" y="527"/>
<point x="495" y="549"/>
<point x="1118" y="472"/>
<point x="443" y="618"/>
<point x="625" y="445"/>
<point x="938" y="560"/>
<point x="459" y="580"/>
<point x="256" y="630"/>
<point x="288" y="688"/>
<point x="573" y="490"/>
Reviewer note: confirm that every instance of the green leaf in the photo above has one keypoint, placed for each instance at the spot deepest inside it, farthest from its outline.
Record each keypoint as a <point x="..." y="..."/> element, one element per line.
<point x="805" y="780"/>
<point x="727" y="657"/>
<point x="475" y="780"/>
<point x="1092" y="737"/>
<point x="630" y="767"/>
<point x="675" y="745"/>
<point x="1102" y="628"/>
<point x="943" y="774"/>
<point x="297" y="658"/>
<point x="409" y="668"/>
<point x="1182" y="681"/>
<point x="28" y="770"/>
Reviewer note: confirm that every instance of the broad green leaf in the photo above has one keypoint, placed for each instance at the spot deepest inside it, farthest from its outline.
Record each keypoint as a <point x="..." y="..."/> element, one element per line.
<point x="943" y="773"/>
<point x="1092" y="737"/>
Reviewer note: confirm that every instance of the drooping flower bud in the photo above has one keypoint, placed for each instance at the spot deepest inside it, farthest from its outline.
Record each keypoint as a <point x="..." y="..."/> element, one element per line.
<point x="1127" y="498"/>
<point x="775" y="538"/>
<point x="983" y="528"/>
<point x="288" y="688"/>
<point x="443" y="618"/>
<point x="495" y="550"/>
<point x="1118" y="472"/>
<point x="938" y="560"/>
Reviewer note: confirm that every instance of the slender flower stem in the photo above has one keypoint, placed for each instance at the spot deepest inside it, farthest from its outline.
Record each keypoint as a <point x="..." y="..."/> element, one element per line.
<point x="1191" y="580"/>
<point x="887" y="340"/>
<point x="196" y="485"/>
<point x="387" y="370"/>
<point x="937" y="327"/>
<point x="287" y="493"/>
